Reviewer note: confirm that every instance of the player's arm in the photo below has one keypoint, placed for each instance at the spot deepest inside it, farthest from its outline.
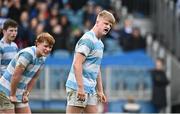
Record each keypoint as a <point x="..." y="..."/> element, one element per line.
<point x="30" y="86"/>
<point x="99" y="82"/>
<point x="100" y="92"/>
<point x="0" y="60"/>
<point x="78" y="64"/>
<point x="21" y="63"/>
<point x="17" y="75"/>
<point x="33" y="81"/>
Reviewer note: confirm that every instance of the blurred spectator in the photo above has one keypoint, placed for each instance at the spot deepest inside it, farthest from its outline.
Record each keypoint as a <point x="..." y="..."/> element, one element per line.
<point x="66" y="31"/>
<point x="77" y="5"/>
<point x="76" y="35"/>
<point x="89" y="12"/>
<point x="2" y="20"/>
<point x="125" y="35"/>
<point x="4" y="10"/>
<point x="32" y="11"/>
<point x="53" y="21"/>
<point x="137" y="41"/>
<point x="39" y="29"/>
<point x="75" y="17"/>
<point x="57" y="33"/>
<point x="67" y="10"/>
<point x="43" y="12"/>
<point x="32" y="30"/>
<point x="54" y="11"/>
<point x="87" y="26"/>
<point x="15" y="9"/>
<point x="104" y="3"/>
<point x="23" y="33"/>
<point x="178" y="8"/>
<point x="160" y="82"/>
<point x="137" y="6"/>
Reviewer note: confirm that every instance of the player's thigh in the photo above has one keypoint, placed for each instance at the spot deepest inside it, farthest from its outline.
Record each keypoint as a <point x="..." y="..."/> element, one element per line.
<point x="74" y="109"/>
<point x="91" y="109"/>
<point x="92" y="104"/>
<point x="7" y="111"/>
<point x="5" y="104"/>
<point x="22" y="108"/>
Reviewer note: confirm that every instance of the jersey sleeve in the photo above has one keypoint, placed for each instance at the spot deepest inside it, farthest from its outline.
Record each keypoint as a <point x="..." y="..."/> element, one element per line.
<point x="24" y="58"/>
<point x="84" y="46"/>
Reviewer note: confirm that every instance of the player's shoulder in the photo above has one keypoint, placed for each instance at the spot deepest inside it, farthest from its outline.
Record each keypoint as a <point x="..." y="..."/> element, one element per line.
<point x="1" y="43"/>
<point x="14" y="44"/>
<point x="29" y="50"/>
<point x="28" y="53"/>
<point x="88" y="34"/>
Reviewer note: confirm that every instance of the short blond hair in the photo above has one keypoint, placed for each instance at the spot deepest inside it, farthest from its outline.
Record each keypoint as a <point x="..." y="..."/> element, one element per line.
<point x="107" y="16"/>
<point x="45" y="37"/>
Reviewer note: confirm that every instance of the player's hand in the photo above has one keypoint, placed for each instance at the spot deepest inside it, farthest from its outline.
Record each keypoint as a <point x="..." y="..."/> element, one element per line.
<point x="25" y="99"/>
<point x="13" y="99"/>
<point x="81" y="95"/>
<point x="25" y="96"/>
<point x="102" y="97"/>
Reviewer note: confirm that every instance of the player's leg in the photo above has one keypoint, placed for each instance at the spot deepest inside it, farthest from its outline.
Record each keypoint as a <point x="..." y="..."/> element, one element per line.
<point x="73" y="103"/>
<point x="22" y="108"/>
<point x="5" y="104"/>
<point x="91" y="109"/>
<point x="92" y="104"/>
<point x="74" y="109"/>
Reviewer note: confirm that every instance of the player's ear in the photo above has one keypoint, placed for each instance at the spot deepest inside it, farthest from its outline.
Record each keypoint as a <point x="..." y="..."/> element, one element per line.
<point x="37" y="43"/>
<point x="3" y="31"/>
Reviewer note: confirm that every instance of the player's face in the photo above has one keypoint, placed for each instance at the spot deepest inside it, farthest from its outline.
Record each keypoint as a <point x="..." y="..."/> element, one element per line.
<point x="10" y="34"/>
<point x="104" y="27"/>
<point x="44" y="48"/>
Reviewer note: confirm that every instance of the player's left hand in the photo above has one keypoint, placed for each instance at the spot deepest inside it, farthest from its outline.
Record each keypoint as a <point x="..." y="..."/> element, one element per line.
<point x="102" y="97"/>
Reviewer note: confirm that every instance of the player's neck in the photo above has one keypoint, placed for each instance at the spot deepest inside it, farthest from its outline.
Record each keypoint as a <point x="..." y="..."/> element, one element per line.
<point x="96" y="32"/>
<point x="6" y="40"/>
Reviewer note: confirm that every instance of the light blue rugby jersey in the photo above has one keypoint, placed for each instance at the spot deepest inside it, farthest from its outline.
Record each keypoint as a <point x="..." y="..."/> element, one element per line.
<point x="28" y="58"/>
<point x="7" y="52"/>
<point x="92" y="48"/>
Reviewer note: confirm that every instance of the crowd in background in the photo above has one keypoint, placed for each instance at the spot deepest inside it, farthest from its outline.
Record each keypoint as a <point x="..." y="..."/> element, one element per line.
<point x="67" y="20"/>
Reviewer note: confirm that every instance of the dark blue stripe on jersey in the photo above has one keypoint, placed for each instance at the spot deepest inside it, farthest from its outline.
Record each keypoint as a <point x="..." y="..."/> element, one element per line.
<point x="7" y="75"/>
<point x="9" y="49"/>
<point x="21" y="86"/>
<point x="1" y="50"/>
<point x="27" y="55"/>
<point x="29" y="73"/>
<point x="13" y="63"/>
<point x="38" y="61"/>
<point x="5" y="61"/>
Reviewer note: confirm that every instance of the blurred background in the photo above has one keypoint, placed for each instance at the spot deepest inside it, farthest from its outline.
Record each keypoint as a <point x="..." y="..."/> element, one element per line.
<point x="146" y="31"/>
